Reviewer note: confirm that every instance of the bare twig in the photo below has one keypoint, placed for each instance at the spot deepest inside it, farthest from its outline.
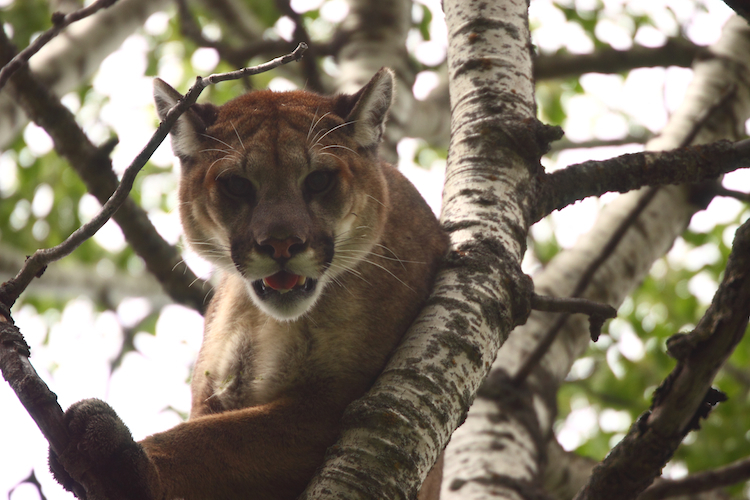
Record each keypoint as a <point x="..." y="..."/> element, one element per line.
<point x="35" y="264"/>
<point x="583" y="282"/>
<point x="94" y="167"/>
<point x="309" y="65"/>
<point x="59" y="22"/>
<point x="740" y="7"/>
<point x="571" y="305"/>
<point x="700" y="481"/>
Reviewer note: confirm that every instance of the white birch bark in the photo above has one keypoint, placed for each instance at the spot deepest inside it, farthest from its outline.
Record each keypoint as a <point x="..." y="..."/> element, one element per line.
<point x="76" y="54"/>
<point x="395" y="433"/>
<point x="485" y="459"/>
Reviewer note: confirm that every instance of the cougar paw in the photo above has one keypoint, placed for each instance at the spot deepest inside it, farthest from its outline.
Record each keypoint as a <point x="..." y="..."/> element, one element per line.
<point x="102" y="455"/>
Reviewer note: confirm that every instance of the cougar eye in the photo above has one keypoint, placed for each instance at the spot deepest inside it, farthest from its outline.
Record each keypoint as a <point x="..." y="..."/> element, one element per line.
<point x="237" y="186"/>
<point x="319" y="181"/>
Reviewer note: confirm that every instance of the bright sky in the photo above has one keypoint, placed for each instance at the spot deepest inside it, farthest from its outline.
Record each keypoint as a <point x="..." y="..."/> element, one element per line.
<point x="154" y="377"/>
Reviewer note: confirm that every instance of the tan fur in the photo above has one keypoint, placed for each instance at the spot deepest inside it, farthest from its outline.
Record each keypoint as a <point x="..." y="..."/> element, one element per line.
<point x="273" y="378"/>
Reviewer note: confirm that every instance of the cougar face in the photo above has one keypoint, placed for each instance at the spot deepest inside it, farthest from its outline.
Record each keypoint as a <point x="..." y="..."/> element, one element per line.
<point x="280" y="188"/>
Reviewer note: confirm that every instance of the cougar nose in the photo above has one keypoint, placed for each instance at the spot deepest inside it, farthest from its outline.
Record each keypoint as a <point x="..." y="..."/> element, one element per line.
<point x="282" y="248"/>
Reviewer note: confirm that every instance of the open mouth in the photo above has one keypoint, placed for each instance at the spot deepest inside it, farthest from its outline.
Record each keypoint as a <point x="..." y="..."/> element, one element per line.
<point x="283" y="282"/>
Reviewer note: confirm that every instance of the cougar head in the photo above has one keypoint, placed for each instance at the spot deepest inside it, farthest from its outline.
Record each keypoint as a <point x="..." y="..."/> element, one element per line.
<point x="283" y="188"/>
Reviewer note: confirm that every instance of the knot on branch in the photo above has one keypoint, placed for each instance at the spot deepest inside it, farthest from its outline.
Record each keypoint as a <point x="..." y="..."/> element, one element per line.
<point x="11" y="339"/>
<point x="5" y="310"/>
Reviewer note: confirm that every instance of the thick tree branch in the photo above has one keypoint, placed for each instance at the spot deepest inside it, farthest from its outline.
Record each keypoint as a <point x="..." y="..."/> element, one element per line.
<point x="567" y="472"/>
<point x="632" y="171"/>
<point x="685" y="396"/>
<point x="59" y="22"/>
<point x="39" y="401"/>
<point x="480" y="294"/>
<point x="676" y="52"/>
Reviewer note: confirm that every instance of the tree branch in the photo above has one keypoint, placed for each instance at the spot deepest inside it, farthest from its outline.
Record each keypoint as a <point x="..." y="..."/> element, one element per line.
<point x="313" y="81"/>
<point x="675" y="52"/>
<point x="59" y="22"/>
<point x="39" y="401"/>
<point x="699" y="482"/>
<point x="740" y="7"/>
<point x="565" y="144"/>
<point x="685" y="396"/>
<point x="68" y="60"/>
<point x="632" y="171"/>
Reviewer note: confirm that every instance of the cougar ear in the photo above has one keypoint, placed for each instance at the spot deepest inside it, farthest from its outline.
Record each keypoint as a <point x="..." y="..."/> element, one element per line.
<point x="368" y="108"/>
<point x="194" y="121"/>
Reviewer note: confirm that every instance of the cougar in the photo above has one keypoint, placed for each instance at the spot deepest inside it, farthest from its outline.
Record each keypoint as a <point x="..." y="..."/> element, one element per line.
<point x="326" y="255"/>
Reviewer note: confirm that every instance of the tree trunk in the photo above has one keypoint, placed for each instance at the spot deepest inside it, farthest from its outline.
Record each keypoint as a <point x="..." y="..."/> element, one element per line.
<point x="481" y="293"/>
<point x="511" y="456"/>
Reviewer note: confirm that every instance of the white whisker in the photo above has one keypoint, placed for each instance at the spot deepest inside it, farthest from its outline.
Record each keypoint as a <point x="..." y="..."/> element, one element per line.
<point x="312" y="124"/>
<point x="316" y="124"/>
<point x="217" y="140"/>
<point x="338" y="146"/>
<point x="333" y="129"/>
<point x="238" y="136"/>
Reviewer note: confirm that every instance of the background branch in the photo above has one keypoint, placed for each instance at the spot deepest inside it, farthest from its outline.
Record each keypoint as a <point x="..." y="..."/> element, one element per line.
<point x="59" y="22"/>
<point x="699" y="482"/>
<point x="675" y="52"/>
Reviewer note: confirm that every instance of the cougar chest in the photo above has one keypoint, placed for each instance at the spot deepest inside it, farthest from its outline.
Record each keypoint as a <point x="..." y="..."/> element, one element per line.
<point x="248" y="358"/>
